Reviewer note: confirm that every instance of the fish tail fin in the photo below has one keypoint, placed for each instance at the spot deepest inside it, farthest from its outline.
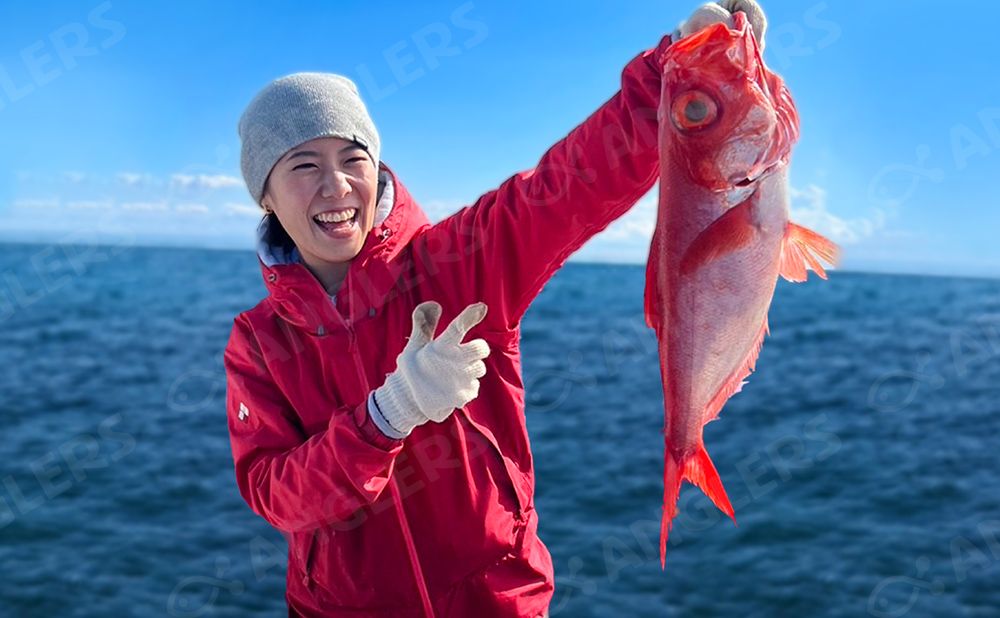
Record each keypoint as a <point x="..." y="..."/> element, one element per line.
<point x="672" y="476"/>
<point x="699" y="469"/>
<point x="797" y="251"/>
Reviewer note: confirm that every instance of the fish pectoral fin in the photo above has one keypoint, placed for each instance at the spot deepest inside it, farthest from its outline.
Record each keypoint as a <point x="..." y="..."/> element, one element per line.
<point x="797" y="249"/>
<point x="726" y="234"/>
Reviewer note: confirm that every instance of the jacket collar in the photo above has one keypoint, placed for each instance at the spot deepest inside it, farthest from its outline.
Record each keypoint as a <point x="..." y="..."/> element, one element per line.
<point x="300" y="299"/>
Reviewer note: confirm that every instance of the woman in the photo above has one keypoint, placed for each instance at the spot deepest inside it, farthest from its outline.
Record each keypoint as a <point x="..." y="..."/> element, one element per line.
<point x="392" y="452"/>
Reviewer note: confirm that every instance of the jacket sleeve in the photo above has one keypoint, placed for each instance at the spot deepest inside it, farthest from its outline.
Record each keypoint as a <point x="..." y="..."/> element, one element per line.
<point x="298" y="482"/>
<point x="506" y="246"/>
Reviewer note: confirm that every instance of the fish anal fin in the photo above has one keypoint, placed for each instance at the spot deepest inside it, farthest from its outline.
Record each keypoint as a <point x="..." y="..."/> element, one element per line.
<point x="726" y="234"/>
<point x="736" y="381"/>
<point x="800" y="248"/>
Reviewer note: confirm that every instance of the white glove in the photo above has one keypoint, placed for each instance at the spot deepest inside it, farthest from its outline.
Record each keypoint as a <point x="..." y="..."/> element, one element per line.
<point x="722" y="11"/>
<point x="433" y="377"/>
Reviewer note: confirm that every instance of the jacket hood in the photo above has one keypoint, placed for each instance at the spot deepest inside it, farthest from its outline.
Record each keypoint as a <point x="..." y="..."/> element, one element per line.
<point x="300" y="299"/>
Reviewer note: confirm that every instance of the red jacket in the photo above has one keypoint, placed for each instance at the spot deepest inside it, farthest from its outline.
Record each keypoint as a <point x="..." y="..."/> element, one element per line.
<point x="376" y="525"/>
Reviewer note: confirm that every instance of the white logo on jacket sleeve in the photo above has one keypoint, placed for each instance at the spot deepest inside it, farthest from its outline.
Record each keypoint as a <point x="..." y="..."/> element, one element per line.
<point x="244" y="412"/>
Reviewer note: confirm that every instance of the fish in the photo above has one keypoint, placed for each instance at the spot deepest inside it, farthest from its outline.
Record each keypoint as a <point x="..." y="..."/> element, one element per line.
<point x="726" y="128"/>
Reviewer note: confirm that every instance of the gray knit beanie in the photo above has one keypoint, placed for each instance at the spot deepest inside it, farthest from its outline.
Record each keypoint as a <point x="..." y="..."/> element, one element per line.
<point x="295" y="109"/>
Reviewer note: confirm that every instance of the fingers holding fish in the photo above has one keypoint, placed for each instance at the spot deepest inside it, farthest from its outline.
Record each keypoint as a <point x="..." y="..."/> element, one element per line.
<point x="704" y="16"/>
<point x="722" y="12"/>
<point x="755" y="15"/>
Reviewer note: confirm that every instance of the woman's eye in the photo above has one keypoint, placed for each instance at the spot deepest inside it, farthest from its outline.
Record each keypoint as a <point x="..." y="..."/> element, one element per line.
<point x="354" y="159"/>
<point x="303" y="165"/>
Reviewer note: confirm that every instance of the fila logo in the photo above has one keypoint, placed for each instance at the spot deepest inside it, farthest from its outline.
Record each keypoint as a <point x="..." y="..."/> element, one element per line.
<point x="244" y="412"/>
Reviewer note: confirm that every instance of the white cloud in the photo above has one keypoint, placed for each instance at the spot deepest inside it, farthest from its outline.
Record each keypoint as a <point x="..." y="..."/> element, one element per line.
<point x="220" y="181"/>
<point x="207" y="182"/>
<point x="74" y="177"/>
<point x="204" y="181"/>
<point x="638" y="222"/>
<point x="44" y="203"/>
<point x="90" y="205"/>
<point x="145" y="206"/>
<point x="199" y="209"/>
<point x="808" y="209"/>
<point x="182" y="181"/>
<point x="242" y="210"/>
<point x="438" y="210"/>
<point x="133" y="179"/>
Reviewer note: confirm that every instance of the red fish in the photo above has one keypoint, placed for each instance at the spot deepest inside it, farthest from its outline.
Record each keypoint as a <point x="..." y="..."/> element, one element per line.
<point x="726" y="129"/>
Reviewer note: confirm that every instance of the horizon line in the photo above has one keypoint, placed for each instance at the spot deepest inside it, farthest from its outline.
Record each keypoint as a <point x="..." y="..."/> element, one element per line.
<point x="164" y="244"/>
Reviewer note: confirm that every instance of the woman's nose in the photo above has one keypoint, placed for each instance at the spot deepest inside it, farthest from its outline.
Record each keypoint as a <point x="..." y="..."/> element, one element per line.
<point x="335" y="184"/>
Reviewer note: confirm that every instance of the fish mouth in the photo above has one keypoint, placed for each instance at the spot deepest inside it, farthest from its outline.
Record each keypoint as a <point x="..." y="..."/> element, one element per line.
<point x="741" y="190"/>
<point x="742" y="182"/>
<point x="743" y="187"/>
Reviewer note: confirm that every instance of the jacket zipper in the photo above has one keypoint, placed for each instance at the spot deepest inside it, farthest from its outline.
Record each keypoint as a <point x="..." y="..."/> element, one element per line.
<point x="397" y="500"/>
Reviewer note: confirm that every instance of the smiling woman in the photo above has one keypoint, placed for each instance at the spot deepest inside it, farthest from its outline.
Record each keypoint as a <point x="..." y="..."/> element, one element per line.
<point x="310" y="153"/>
<point x="323" y="194"/>
<point x="329" y="442"/>
<point x="394" y="453"/>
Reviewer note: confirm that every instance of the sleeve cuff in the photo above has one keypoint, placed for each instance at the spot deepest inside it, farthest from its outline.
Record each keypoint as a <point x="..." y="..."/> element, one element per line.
<point x="379" y="420"/>
<point x="654" y="55"/>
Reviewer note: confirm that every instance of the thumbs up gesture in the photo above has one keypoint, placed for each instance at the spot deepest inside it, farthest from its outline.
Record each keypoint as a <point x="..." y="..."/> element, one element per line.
<point x="433" y="377"/>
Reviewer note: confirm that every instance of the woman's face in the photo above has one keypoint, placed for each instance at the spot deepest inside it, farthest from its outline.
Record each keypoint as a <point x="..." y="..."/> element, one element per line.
<point x="314" y="184"/>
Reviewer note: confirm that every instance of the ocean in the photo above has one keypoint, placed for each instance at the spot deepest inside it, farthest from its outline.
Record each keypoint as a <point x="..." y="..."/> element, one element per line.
<point x="862" y="458"/>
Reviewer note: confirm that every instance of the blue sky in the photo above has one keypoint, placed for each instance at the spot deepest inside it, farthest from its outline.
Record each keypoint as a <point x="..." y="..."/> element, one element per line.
<point x="119" y="118"/>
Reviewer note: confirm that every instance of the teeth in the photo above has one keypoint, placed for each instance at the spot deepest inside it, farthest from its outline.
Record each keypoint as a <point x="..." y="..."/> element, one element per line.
<point x="336" y="217"/>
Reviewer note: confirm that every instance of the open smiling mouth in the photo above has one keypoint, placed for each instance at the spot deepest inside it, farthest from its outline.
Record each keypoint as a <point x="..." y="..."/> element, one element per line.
<point x="338" y="223"/>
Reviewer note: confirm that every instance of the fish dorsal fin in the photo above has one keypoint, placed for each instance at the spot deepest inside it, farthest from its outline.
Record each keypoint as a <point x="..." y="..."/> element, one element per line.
<point x="797" y="249"/>
<point x="724" y="235"/>
<point x="651" y="302"/>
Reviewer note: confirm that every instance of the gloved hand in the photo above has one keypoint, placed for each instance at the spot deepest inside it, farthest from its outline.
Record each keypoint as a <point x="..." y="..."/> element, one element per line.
<point x="433" y="377"/>
<point x="722" y="11"/>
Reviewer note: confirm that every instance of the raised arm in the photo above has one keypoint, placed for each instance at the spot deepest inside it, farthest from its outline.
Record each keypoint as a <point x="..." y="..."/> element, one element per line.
<point x="298" y="483"/>
<point x="506" y="246"/>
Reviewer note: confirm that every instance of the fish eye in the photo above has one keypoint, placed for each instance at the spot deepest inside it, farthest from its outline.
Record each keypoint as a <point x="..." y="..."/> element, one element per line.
<point x="694" y="110"/>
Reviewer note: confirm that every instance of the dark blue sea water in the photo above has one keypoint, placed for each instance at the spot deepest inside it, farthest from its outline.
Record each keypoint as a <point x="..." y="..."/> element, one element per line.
<point x="863" y="458"/>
